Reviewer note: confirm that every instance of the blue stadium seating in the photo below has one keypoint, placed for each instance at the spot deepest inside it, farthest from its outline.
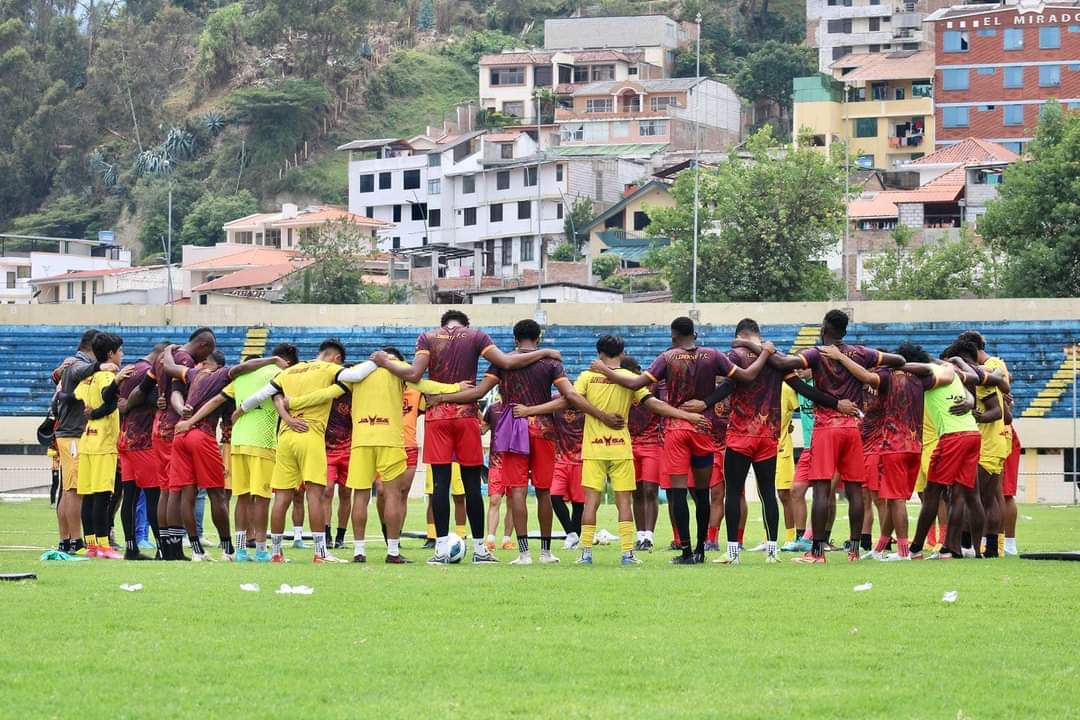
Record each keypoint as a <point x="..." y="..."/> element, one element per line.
<point x="1033" y="350"/>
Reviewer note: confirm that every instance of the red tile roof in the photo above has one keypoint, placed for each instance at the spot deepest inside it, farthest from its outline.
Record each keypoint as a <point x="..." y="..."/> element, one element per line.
<point x="878" y="206"/>
<point x="516" y="58"/>
<point x="328" y="214"/>
<point x="971" y="150"/>
<point x="252" y="256"/>
<point x="251" y="277"/>
<point x="887" y="66"/>
<point x="81" y="274"/>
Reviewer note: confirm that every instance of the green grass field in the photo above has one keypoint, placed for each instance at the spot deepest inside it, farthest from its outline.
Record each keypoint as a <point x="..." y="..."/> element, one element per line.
<point x="543" y="642"/>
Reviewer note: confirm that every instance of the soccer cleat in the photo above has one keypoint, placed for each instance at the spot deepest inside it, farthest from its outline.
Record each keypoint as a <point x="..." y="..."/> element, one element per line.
<point x="637" y="545"/>
<point x="895" y="557"/>
<point x="362" y="558"/>
<point x="262" y="556"/>
<point x="135" y="555"/>
<point x="1007" y="553"/>
<point x="109" y="554"/>
<point x="809" y="559"/>
<point x="81" y="552"/>
<point x="673" y="546"/>
<point x="339" y="544"/>
<point x="490" y="545"/>
<point x="331" y="559"/>
<point x="683" y="560"/>
<point x="584" y="560"/>
<point x="803" y="545"/>
<point x="760" y="547"/>
<point x="228" y="557"/>
<point x="277" y="558"/>
<point x="548" y="559"/>
<point x="398" y="560"/>
<point x="630" y="559"/>
<point x="91" y="551"/>
<point x="438" y="559"/>
<point x="603" y="537"/>
<point x="941" y="555"/>
<point x="967" y="552"/>
<point x="872" y="555"/>
<point x="792" y="546"/>
<point x="508" y="545"/>
<point x="727" y="560"/>
<point x="829" y="547"/>
<point x="647" y="545"/>
<point x="699" y="557"/>
<point x="484" y="559"/>
<point x="572" y="542"/>
<point x="429" y="544"/>
<point x="771" y="559"/>
<point x="241" y="555"/>
<point x="299" y="544"/>
<point x="147" y="545"/>
<point x="201" y="557"/>
<point x="853" y="555"/>
<point x="712" y="547"/>
<point x="916" y="555"/>
<point x="522" y="560"/>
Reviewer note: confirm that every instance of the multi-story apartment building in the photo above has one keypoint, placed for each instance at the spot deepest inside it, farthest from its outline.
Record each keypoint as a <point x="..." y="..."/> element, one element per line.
<point x="25" y="260"/>
<point x="997" y="65"/>
<point x="880" y="104"/>
<point x="657" y="37"/>
<point x="841" y="27"/>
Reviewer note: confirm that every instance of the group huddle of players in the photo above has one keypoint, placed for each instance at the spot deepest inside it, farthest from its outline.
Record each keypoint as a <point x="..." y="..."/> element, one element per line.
<point x="276" y="433"/>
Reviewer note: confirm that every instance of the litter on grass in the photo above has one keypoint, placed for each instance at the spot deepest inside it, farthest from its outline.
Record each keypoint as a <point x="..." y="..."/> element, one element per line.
<point x="1028" y="517"/>
<point x="250" y="587"/>
<point x="950" y="596"/>
<point x="287" y="589"/>
<point x="131" y="588"/>
<point x="864" y="587"/>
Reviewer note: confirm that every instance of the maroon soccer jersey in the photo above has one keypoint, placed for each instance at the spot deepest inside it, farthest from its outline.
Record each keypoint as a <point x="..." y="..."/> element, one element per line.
<point x="454" y="354"/>
<point x="137" y="425"/>
<point x="339" y="424"/>
<point x="166" y="384"/>
<point x="755" y="407"/>
<point x="226" y="422"/>
<point x="690" y="374"/>
<point x="492" y="413"/>
<point x="832" y="378"/>
<point x="720" y="417"/>
<point x="569" y="430"/>
<point x="530" y="386"/>
<point x="873" y="407"/>
<point x="204" y="385"/>
<point x="902" y="407"/>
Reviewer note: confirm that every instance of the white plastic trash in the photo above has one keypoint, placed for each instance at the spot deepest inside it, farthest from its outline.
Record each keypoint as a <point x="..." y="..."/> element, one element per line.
<point x="249" y="587"/>
<point x="950" y="596"/>
<point x="287" y="589"/>
<point x="864" y="587"/>
<point x="131" y="588"/>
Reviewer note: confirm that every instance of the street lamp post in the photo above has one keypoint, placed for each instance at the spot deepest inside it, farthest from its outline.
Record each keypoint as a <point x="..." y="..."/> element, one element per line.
<point x="697" y="177"/>
<point x="539" y="314"/>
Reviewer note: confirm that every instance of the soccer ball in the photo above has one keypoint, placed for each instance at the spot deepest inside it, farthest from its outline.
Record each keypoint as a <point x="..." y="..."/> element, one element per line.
<point x="455" y="548"/>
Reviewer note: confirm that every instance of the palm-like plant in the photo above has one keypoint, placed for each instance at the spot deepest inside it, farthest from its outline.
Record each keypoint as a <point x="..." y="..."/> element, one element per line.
<point x="106" y="171"/>
<point x="179" y="144"/>
<point x="214" y="122"/>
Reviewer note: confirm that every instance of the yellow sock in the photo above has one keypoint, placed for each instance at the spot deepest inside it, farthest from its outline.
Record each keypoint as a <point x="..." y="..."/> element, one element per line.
<point x="91" y="540"/>
<point x="626" y="535"/>
<point x="431" y="531"/>
<point x="588" y="534"/>
<point x="789" y="535"/>
<point x="460" y="530"/>
<point x="1001" y="542"/>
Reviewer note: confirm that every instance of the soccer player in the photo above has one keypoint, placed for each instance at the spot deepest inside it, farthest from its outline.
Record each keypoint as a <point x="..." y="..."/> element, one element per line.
<point x="647" y="437"/>
<point x="450" y="354"/>
<point x="496" y="490"/>
<point x="530" y="385"/>
<point x="605" y="450"/>
<point x="798" y="491"/>
<point x="138" y="462"/>
<point x="97" y="450"/>
<point x="837" y="442"/>
<point x="338" y="449"/>
<point x="690" y="373"/>
<point x="1010" y="477"/>
<point x="785" y="465"/>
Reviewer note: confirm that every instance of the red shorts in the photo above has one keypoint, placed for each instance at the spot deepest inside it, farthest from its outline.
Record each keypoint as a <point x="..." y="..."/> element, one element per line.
<point x="453" y="440"/>
<point x="337" y="466"/>
<point x="196" y="460"/>
<point x="567" y="482"/>
<point x="648" y="460"/>
<point x="495" y="483"/>
<point x="955" y="460"/>
<point x="872" y="471"/>
<point x="899" y="471"/>
<point x="837" y="450"/>
<point x="1010" y="476"/>
<point x="717" y="471"/>
<point x="680" y="446"/>
<point x="163" y="453"/>
<point x="140" y="466"/>
<point x="755" y="447"/>
<point x="802" y="469"/>
<point x="538" y="466"/>
<point x="412" y="457"/>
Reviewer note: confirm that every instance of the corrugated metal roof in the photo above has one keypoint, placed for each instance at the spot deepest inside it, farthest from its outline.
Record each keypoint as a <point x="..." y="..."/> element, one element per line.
<point x="968" y="151"/>
<point x="608" y="87"/>
<point x="887" y="66"/>
<point x="634" y="150"/>
<point x="878" y="206"/>
<point x="377" y="142"/>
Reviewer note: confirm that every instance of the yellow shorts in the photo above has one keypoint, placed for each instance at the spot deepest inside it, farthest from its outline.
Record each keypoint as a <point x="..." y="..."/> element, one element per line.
<point x="992" y="465"/>
<point x="69" y="462"/>
<point x="301" y="458"/>
<point x="457" y="487"/>
<point x="594" y="473"/>
<point x="365" y="462"/>
<point x="785" y="472"/>
<point x="226" y="461"/>
<point x="97" y="473"/>
<point x="924" y="465"/>
<point x="251" y="474"/>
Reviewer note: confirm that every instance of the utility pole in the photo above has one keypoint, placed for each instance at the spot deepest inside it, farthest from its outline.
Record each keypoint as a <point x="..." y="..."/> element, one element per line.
<point x="697" y="176"/>
<point x="540" y="316"/>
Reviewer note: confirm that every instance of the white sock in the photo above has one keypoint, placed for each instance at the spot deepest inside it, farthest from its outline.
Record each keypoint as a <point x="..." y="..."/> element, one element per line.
<point x="241" y="540"/>
<point x="275" y="541"/>
<point x="649" y="535"/>
<point x="260" y="546"/>
<point x="507" y="538"/>
<point x="770" y="547"/>
<point x="491" y="538"/>
<point x="1010" y="545"/>
<point x="442" y="545"/>
<point x="479" y="548"/>
<point x="297" y="532"/>
<point x="358" y="548"/>
<point x="320" y="543"/>
<point x="640" y="535"/>
<point x="733" y="550"/>
<point x="393" y="547"/>
<point x="571" y="536"/>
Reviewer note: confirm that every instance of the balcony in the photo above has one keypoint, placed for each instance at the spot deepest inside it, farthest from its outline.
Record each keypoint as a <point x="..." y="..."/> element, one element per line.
<point x="563" y="115"/>
<point x="919" y="106"/>
<point x="907" y="20"/>
<point x="840" y="12"/>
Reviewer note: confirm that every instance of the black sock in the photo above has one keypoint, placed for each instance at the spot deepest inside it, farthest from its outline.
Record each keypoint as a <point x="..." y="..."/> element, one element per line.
<point x="196" y="544"/>
<point x="965" y="539"/>
<point x="817" y="547"/>
<point x="523" y="543"/>
<point x="545" y="544"/>
<point x="866" y="542"/>
<point x="701" y="507"/>
<point x="991" y="546"/>
<point x="828" y="537"/>
<point x="76" y="544"/>
<point x="558" y="506"/>
<point x="227" y="546"/>
<point x="340" y="536"/>
<point x="915" y="547"/>
<point x="800" y="533"/>
<point x="575" y="516"/>
<point x="64" y="545"/>
<point x="677" y="498"/>
<point x="326" y="534"/>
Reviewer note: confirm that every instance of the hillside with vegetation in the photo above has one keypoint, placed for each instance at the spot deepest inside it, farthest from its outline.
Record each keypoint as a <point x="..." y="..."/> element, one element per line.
<point x="106" y="106"/>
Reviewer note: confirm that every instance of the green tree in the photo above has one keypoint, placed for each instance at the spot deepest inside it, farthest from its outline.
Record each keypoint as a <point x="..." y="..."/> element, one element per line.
<point x="468" y="49"/>
<point x="604" y="266"/>
<point x="425" y="19"/>
<point x="220" y="44"/>
<point x="767" y="73"/>
<point x="767" y="223"/>
<point x="937" y="271"/>
<point x="203" y="221"/>
<point x="581" y="212"/>
<point x="68" y="216"/>
<point x="278" y="116"/>
<point x="334" y="276"/>
<point x="1035" y="221"/>
<point x="564" y="252"/>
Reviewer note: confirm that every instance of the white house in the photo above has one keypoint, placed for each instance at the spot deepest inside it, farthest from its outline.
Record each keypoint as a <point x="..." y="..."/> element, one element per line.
<point x="560" y="292"/>
<point x="23" y="260"/>
<point x="109" y="286"/>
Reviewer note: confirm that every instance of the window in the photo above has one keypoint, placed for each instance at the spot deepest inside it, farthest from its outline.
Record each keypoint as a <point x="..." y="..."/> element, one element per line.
<point x="866" y="127"/>
<point x="632" y="70"/>
<point x="384" y="181"/>
<point x="571" y="133"/>
<point x="1049" y="75"/>
<point x="524" y="209"/>
<point x="412" y="179"/>
<point x="530" y="177"/>
<point x="837" y="27"/>
<point x="71" y="291"/>
<point x="660" y="103"/>
<point x="525" y="249"/>
<point x="502" y="300"/>
<point x="599" y="105"/>
<point x="921" y="88"/>
<point x="506" y="151"/>
<point x="369" y="211"/>
<point x="1049" y="38"/>
<point x="840" y="51"/>
<point x="367" y="183"/>
<point x="434" y="218"/>
<point x="1074" y="28"/>
<point x="542" y="76"/>
<point x="495" y="212"/>
<point x="986" y="32"/>
<point x="652" y="128"/>
<point x="470" y="216"/>
<point x="508" y="76"/>
<point x="203" y="299"/>
<point x="603" y="72"/>
<point x="11" y="281"/>
<point x="434" y="187"/>
<point x="558" y="172"/>
<point x="397" y="213"/>
<point x="1013" y="76"/>
<point x="985" y="71"/>
<point x="1014" y="38"/>
<point x="507" y="251"/>
<point x="24" y="270"/>
<point x="875" y="25"/>
<point x="395" y="242"/>
<point x="620" y="129"/>
<point x="955" y="41"/>
<point x="581" y="73"/>
<point x="641" y="220"/>
<point x="468" y="184"/>
<point x="502" y="180"/>
<point x="865" y="161"/>
<point x="559" y="210"/>
<point x="1014" y="114"/>
<point x="434" y="159"/>
<point x="515" y="109"/>
<point x="1016" y="147"/>
<point x="83" y="283"/>
<point x="419" y="210"/>
<point x="952" y="117"/>
<point x="953" y="79"/>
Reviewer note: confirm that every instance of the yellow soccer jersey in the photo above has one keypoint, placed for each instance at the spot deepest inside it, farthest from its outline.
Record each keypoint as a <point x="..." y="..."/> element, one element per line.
<point x="101" y="435"/>
<point x="302" y="379"/>
<point x="996" y="439"/>
<point x="789" y="403"/>
<point x="599" y="441"/>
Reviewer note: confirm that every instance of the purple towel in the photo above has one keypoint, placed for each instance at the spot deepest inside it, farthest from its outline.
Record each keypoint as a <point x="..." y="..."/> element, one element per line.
<point x="511" y="433"/>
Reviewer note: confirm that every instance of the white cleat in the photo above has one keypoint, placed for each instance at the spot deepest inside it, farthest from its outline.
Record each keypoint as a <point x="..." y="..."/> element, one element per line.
<point x="895" y="557"/>
<point x="201" y="557"/>
<point x="967" y="552"/>
<point x="572" y="542"/>
<point x="522" y="560"/>
<point x="872" y="555"/>
<point x="727" y="560"/>
<point x="331" y="558"/>
<point x="772" y="559"/>
<point x="761" y="547"/>
<point x="548" y="559"/>
<point x="228" y="557"/>
<point x="603" y="537"/>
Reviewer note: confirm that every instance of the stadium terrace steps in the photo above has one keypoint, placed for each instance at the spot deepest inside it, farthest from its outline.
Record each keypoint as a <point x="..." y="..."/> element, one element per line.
<point x="255" y="341"/>
<point x="1056" y="388"/>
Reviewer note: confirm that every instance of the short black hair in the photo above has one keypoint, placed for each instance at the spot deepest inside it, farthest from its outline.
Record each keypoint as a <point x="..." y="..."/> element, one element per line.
<point x="912" y="353"/>
<point x="747" y="325"/>
<point x="333" y="344"/>
<point x="391" y="350"/>
<point x="456" y="315"/>
<point x="218" y="357"/>
<point x="610" y="345"/>
<point x="964" y="349"/>
<point x="629" y="362"/>
<point x="286" y="351"/>
<point x="86" y="342"/>
<point x="836" y="321"/>
<point x="105" y="343"/>
<point x="527" y="329"/>
<point x="974" y="337"/>
<point x="201" y="331"/>
<point x="682" y="326"/>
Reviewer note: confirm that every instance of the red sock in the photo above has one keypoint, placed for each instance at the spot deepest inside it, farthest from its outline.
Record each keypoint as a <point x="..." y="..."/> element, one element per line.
<point x="741" y="531"/>
<point x="882" y="543"/>
<point x="902" y="547"/>
<point x="931" y="537"/>
<point x="942" y="533"/>
<point x="713" y="532"/>
<point x="675" y="536"/>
